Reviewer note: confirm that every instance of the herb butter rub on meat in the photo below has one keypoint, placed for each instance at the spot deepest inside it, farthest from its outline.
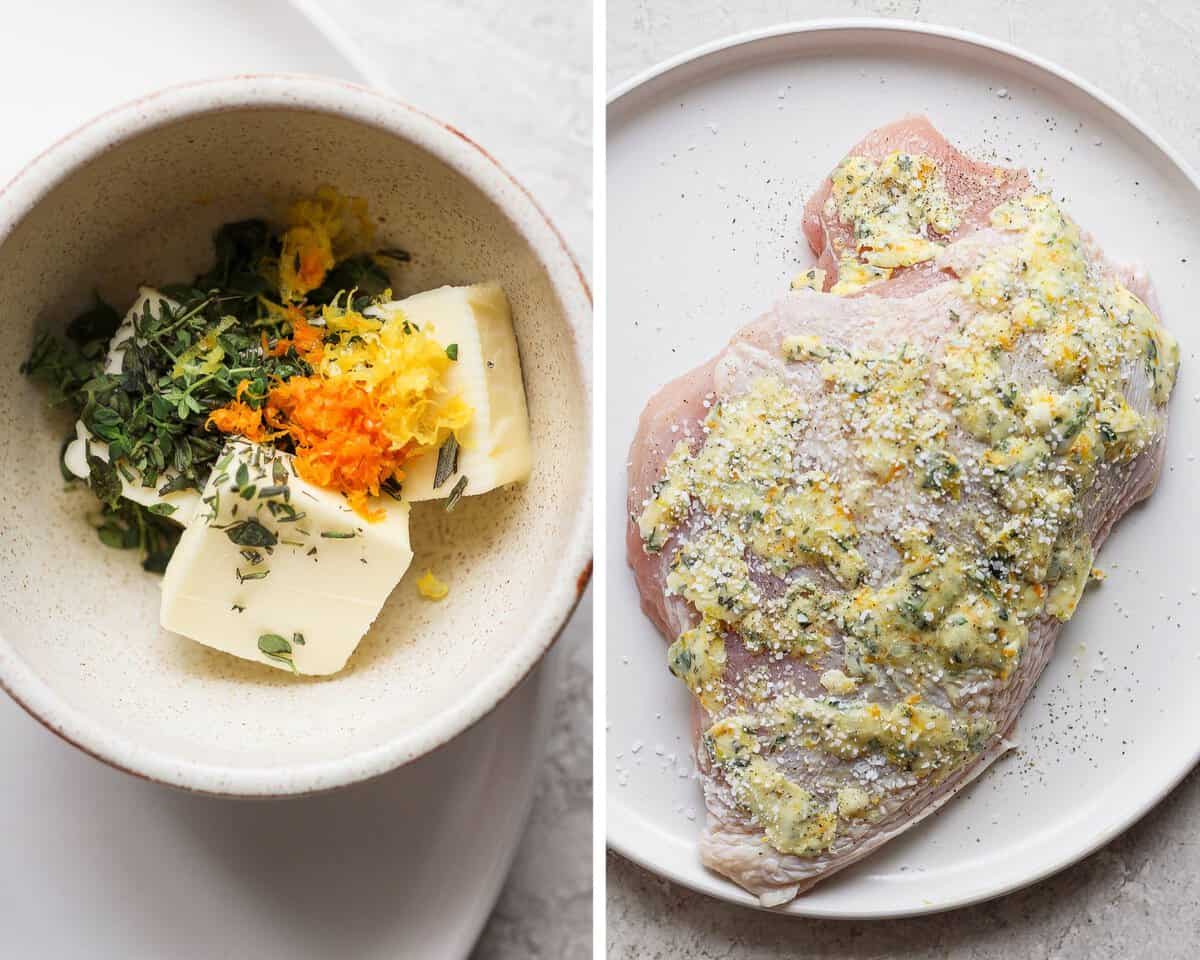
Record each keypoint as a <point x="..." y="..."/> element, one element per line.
<point x="862" y="525"/>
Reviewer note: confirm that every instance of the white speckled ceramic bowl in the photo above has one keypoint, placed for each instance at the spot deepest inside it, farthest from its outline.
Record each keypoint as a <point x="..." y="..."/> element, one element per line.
<point x="134" y="197"/>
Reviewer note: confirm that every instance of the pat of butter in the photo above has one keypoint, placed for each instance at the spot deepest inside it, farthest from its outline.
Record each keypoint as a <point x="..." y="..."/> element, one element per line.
<point x="318" y="587"/>
<point x="495" y="447"/>
<point x="75" y="455"/>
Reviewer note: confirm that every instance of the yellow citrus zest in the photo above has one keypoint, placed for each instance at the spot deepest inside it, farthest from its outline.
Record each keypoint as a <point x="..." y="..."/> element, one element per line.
<point x="322" y="229"/>
<point x="431" y="587"/>
<point x="377" y="398"/>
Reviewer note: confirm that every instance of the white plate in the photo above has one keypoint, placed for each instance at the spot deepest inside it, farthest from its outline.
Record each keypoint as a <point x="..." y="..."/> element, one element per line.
<point x="407" y="865"/>
<point x="710" y="158"/>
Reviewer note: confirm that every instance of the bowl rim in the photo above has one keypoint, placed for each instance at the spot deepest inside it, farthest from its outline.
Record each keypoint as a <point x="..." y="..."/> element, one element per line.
<point x="390" y="115"/>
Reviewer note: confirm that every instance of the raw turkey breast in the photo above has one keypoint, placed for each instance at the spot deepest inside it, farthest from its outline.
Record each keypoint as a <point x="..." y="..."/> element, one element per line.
<point x="862" y="525"/>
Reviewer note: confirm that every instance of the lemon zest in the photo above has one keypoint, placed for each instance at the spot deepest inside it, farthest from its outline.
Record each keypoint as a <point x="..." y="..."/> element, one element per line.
<point x="322" y="229"/>
<point x="431" y="587"/>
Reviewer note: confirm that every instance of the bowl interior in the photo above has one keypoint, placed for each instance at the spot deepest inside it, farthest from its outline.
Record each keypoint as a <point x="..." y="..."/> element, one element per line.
<point x="84" y="618"/>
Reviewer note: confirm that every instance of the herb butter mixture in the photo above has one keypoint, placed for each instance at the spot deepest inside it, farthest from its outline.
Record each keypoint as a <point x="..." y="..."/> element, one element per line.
<point x="265" y="418"/>
<point x="250" y="348"/>
<point x="886" y="651"/>
<point x="900" y="212"/>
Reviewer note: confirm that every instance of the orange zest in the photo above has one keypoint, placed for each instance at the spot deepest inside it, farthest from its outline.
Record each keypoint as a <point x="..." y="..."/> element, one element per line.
<point x="239" y="417"/>
<point x="337" y="428"/>
<point x="309" y="341"/>
<point x="377" y="397"/>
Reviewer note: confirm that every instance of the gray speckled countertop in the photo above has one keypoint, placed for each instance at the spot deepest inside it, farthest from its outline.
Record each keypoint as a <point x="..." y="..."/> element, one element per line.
<point x="1140" y="895"/>
<point x="545" y="909"/>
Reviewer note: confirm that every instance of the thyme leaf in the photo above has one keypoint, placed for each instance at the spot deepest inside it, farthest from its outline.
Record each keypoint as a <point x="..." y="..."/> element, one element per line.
<point x="447" y="461"/>
<point x="131" y="526"/>
<point x="104" y="480"/>
<point x="456" y="494"/>
<point x="250" y="533"/>
<point x="277" y="648"/>
<point x="98" y="323"/>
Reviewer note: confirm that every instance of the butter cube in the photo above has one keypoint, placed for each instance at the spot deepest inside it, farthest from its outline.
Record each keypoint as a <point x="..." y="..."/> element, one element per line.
<point x="476" y="324"/>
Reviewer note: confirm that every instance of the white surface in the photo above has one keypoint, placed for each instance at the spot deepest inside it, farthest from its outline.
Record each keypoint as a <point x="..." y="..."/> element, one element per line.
<point x="98" y="864"/>
<point x="102" y="865"/>
<point x="516" y="77"/>
<point x="136" y="46"/>
<point x="708" y="170"/>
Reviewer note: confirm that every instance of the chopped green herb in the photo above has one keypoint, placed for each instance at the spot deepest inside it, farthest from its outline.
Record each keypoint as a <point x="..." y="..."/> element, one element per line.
<point x="394" y="253"/>
<point x="190" y="350"/>
<point x="456" y="494"/>
<point x="285" y="513"/>
<point x="64" y="367"/>
<point x="98" y="323"/>
<point x="277" y="648"/>
<point x="392" y="489"/>
<point x="452" y="351"/>
<point x="447" y="461"/>
<point x="104" y="480"/>
<point x="361" y="274"/>
<point x="338" y="535"/>
<point x="131" y="526"/>
<point x="250" y="533"/>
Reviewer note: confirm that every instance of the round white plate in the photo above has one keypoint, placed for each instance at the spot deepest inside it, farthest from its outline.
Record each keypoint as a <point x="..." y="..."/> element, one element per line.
<point x="710" y="159"/>
<point x="407" y="865"/>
